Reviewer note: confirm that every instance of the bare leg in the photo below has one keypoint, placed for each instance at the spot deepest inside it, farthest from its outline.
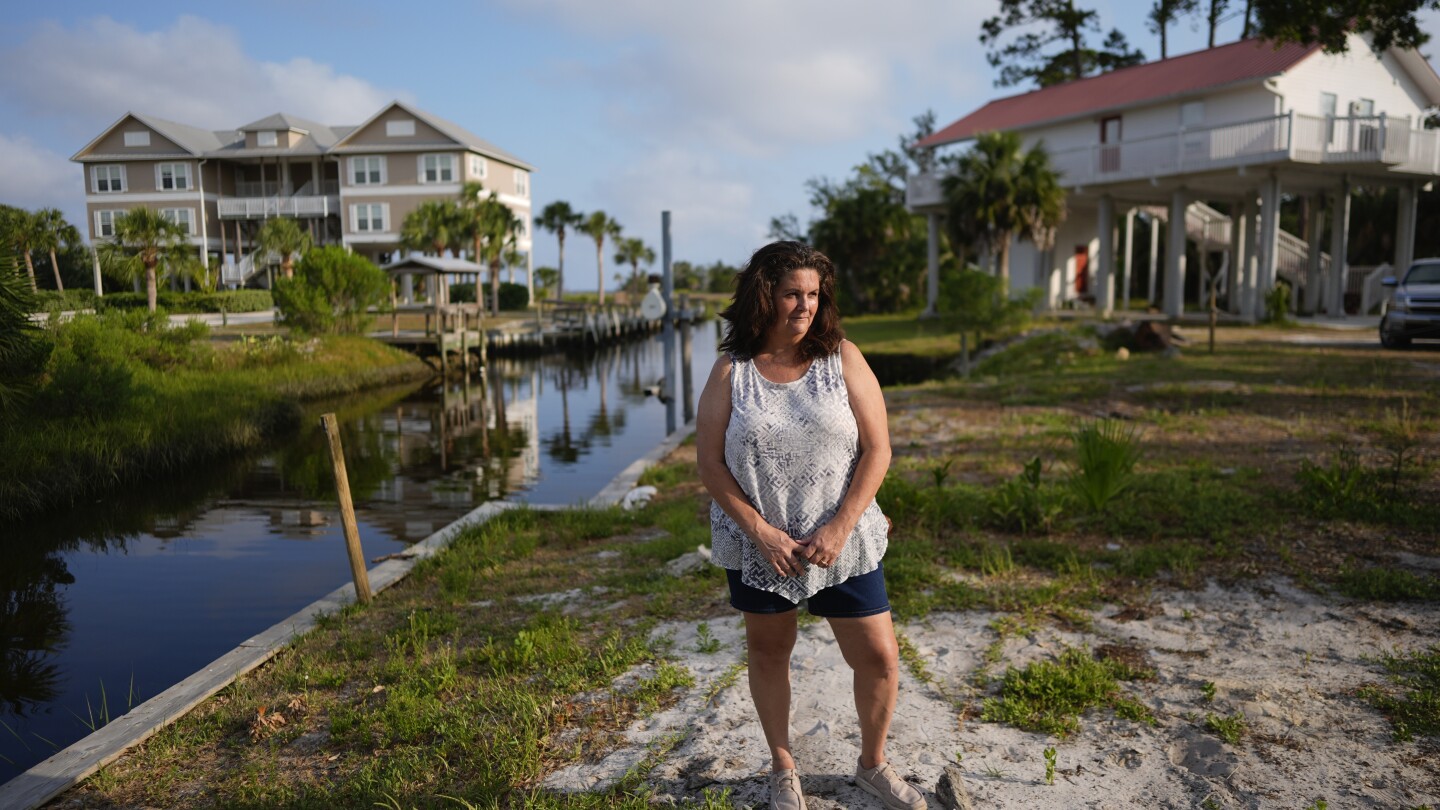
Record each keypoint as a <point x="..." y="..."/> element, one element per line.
<point x="869" y="647"/>
<point x="770" y="638"/>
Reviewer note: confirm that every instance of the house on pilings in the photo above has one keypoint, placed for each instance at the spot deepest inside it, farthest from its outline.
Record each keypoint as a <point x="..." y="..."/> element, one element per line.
<point x="1203" y="148"/>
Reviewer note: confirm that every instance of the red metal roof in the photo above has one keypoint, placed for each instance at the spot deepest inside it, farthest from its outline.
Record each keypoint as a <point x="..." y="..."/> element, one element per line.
<point x="1247" y="60"/>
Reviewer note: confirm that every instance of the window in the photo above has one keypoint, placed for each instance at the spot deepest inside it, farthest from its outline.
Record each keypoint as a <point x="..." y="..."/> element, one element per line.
<point x="404" y="128"/>
<point x="477" y="166"/>
<point x="172" y="176"/>
<point x="1364" y="107"/>
<point x="105" y="224"/>
<point x="267" y="139"/>
<point x="109" y="179"/>
<point x="437" y="168"/>
<point x="367" y="171"/>
<point x="137" y="139"/>
<point x="522" y="183"/>
<point x="1192" y="114"/>
<point x="368" y="218"/>
<point x="184" y="217"/>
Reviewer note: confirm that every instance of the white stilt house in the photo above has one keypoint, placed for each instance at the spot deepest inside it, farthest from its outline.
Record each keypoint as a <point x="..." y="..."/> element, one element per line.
<point x="1240" y="124"/>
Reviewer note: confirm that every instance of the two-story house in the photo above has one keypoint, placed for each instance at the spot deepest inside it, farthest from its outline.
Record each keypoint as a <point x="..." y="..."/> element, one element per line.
<point x="348" y="185"/>
<point x="1240" y="124"/>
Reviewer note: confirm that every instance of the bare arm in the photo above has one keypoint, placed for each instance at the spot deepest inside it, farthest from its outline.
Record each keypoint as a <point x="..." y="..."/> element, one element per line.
<point x="868" y="404"/>
<point x="711" y="419"/>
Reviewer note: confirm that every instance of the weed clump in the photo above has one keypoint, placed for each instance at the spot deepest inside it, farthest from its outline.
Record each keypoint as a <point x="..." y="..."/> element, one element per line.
<point x="1106" y="451"/>
<point x="1412" y="704"/>
<point x="1387" y="585"/>
<point x="1050" y="696"/>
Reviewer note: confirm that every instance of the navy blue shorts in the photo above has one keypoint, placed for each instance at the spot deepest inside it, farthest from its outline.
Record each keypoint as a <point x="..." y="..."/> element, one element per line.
<point x="854" y="598"/>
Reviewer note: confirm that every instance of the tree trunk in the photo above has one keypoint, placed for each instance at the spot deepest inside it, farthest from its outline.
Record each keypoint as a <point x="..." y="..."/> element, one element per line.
<point x="1214" y="19"/>
<point x="600" y="268"/>
<point x="560" y="271"/>
<point x="150" y="292"/>
<point x="55" y="267"/>
<point x="30" y="268"/>
<point x="1005" y="267"/>
<point x="964" y="353"/>
<point x="495" y="287"/>
<point x="287" y="265"/>
<point x="1249" y="7"/>
<point x="1163" y="40"/>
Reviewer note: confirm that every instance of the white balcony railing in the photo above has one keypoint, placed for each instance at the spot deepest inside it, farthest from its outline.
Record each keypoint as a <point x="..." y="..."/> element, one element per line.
<point x="266" y="207"/>
<point x="1375" y="139"/>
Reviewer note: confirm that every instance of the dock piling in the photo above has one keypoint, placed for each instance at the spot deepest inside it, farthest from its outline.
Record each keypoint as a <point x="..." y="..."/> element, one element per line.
<point x="347" y="509"/>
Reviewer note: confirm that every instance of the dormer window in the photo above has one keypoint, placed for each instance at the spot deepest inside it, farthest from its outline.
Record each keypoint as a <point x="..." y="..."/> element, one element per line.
<point x="141" y="138"/>
<point x="267" y="138"/>
<point x="403" y="128"/>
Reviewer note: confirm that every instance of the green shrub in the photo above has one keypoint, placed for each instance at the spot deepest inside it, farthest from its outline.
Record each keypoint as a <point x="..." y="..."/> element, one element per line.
<point x="330" y="293"/>
<point x="462" y="293"/>
<point x="1387" y="585"/>
<point x="23" y="349"/>
<point x="1106" y="451"/>
<point x="197" y="301"/>
<point x="1277" y="304"/>
<point x="67" y="300"/>
<point x="514" y="296"/>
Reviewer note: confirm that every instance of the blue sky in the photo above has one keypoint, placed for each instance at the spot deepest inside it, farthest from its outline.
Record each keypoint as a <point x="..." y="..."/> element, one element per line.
<point x="717" y="111"/>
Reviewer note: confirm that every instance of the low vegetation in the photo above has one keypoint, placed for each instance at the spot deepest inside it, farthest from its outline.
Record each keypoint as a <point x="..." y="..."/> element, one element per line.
<point x="123" y="395"/>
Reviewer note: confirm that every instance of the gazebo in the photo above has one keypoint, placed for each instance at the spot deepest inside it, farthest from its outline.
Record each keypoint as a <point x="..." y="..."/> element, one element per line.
<point x="439" y="267"/>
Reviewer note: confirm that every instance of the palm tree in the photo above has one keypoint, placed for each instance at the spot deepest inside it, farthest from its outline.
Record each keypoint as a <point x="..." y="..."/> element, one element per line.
<point x="597" y="226"/>
<point x="997" y="193"/>
<point x="143" y="238"/>
<point x="633" y="251"/>
<point x="21" y="231"/>
<point x="50" y="231"/>
<point x="433" y="227"/>
<point x="512" y="258"/>
<point x="284" y="238"/>
<point x="555" y="218"/>
<point x="497" y="228"/>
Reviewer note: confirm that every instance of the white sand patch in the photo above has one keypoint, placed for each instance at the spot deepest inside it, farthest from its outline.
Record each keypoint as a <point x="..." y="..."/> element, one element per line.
<point x="1287" y="659"/>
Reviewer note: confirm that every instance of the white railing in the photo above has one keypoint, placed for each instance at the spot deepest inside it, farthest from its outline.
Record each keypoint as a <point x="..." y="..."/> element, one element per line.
<point x="1373" y="292"/>
<point x="266" y="207"/>
<point x="1194" y="149"/>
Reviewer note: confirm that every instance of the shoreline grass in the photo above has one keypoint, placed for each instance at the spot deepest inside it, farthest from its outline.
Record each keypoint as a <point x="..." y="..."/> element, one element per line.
<point x="125" y="399"/>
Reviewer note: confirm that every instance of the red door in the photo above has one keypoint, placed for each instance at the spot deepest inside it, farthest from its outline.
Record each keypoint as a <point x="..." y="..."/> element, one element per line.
<point x="1082" y="270"/>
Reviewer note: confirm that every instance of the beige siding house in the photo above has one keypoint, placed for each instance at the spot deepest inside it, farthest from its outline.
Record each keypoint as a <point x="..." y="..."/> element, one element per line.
<point x="348" y="185"/>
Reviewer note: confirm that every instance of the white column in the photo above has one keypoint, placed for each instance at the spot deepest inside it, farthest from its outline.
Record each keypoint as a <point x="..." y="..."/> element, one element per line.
<point x="932" y="266"/>
<point x="1175" y="256"/>
<point x="1339" y="245"/>
<point x="1405" y="229"/>
<point x="1313" y="280"/>
<point x="1129" y="259"/>
<point x="1105" y="257"/>
<point x="1154" y="258"/>
<point x="1269" y="240"/>
<point x="407" y="287"/>
<point x="530" y="270"/>
<point x="1251" y="261"/>
<point x="1235" y="274"/>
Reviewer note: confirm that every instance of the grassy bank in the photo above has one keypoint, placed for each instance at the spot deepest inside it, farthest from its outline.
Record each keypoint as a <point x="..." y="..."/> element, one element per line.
<point x="529" y="645"/>
<point x="126" y="397"/>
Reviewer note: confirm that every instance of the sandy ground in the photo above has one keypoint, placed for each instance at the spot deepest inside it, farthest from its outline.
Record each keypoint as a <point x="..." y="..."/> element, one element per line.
<point x="1288" y="659"/>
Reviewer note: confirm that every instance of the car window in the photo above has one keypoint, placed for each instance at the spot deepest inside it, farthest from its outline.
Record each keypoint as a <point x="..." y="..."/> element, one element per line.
<point x="1423" y="274"/>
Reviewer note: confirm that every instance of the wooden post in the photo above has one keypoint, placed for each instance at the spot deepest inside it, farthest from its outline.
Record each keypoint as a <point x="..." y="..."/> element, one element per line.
<point x="347" y="509"/>
<point x="394" y="311"/>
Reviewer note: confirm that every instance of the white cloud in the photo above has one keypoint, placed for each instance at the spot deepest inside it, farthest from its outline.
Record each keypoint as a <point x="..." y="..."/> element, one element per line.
<point x="32" y="176"/>
<point x="194" y="72"/>
<point x="703" y="196"/>
<point x="758" y="77"/>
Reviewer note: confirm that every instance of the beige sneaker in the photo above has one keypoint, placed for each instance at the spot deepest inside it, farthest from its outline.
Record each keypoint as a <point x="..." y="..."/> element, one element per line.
<point x="882" y="782"/>
<point x="785" y="791"/>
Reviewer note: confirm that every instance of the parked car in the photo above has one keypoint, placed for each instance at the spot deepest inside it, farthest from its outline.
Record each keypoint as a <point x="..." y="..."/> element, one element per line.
<point x="1414" y="309"/>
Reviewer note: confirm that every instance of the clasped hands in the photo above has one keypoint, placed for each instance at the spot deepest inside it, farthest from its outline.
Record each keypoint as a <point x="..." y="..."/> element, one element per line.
<point x="789" y="556"/>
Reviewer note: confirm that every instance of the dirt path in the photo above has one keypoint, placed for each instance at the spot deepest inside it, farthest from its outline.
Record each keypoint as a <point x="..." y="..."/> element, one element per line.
<point x="1290" y="661"/>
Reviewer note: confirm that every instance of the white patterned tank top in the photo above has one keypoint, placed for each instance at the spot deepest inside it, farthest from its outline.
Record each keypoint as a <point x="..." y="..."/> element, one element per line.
<point x="793" y="447"/>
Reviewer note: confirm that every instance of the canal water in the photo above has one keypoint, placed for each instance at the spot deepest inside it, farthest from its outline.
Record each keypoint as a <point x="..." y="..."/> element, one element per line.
<point x="110" y="603"/>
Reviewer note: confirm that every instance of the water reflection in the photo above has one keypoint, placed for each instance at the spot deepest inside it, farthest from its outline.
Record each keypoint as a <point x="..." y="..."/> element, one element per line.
<point x="146" y="586"/>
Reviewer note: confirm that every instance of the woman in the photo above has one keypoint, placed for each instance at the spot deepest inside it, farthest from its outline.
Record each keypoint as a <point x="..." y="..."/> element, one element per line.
<point x="792" y="444"/>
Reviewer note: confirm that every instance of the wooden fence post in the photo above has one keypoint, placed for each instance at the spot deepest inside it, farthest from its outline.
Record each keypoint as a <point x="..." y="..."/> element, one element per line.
<point x="347" y="509"/>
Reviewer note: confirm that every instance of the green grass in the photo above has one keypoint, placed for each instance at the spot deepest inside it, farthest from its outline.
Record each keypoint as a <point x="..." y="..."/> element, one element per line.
<point x="902" y="334"/>
<point x="1050" y="696"/>
<point x="1230" y="729"/>
<point x="1387" y="585"/>
<point x="447" y="686"/>
<point x="1411" y="700"/>
<point x="127" y="398"/>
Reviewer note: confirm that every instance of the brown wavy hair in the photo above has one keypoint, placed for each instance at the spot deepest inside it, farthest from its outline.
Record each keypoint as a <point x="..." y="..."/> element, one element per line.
<point x="752" y="312"/>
